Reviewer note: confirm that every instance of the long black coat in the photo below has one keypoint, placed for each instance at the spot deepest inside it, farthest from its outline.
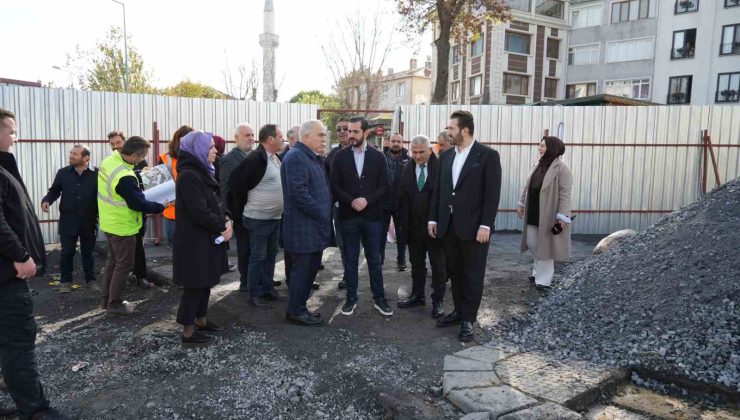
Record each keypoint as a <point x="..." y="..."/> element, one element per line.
<point x="197" y="261"/>
<point x="414" y="205"/>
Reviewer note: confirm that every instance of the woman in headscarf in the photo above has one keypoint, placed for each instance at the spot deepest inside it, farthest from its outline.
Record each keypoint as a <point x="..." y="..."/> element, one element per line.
<point x="203" y="229"/>
<point x="544" y="204"/>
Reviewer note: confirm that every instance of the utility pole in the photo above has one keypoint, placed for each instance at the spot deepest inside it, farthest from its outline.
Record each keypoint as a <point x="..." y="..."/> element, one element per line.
<point x="125" y="48"/>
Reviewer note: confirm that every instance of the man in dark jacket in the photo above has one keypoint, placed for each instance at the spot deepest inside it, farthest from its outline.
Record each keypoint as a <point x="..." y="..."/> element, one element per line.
<point x="307" y="217"/>
<point x="255" y="193"/>
<point x="244" y="138"/>
<point x="77" y="184"/>
<point x="415" y="195"/>
<point x="359" y="181"/>
<point x="342" y="129"/>
<point x="396" y="157"/>
<point x="21" y="250"/>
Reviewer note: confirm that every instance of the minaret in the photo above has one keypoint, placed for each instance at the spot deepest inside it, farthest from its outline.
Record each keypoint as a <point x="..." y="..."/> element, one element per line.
<point x="268" y="42"/>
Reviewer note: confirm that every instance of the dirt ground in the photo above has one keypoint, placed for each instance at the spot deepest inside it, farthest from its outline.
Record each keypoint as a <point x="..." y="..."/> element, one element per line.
<point x="97" y="367"/>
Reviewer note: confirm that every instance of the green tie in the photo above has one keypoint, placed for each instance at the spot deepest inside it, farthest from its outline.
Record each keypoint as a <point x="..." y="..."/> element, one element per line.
<point x="422" y="178"/>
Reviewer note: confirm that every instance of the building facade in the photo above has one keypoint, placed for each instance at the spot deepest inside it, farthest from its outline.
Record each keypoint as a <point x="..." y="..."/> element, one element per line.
<point x="409" y="87"/>
<point x="697" y="56"/>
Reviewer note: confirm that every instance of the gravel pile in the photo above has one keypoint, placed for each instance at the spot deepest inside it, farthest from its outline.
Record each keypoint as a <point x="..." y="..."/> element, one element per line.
<point x="667" y="299"/>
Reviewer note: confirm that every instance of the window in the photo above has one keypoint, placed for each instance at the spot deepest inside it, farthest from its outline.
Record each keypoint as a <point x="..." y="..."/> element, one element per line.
<point x="553" y="48"/>
<point x="384" y="92"/>
<point x="521" y="5"/>
<point x="455" y="91"/>
<point x="728" y="87"/>
<point x="730" y="40"/>
<point x="455" y="54"/>
<point x="683" y="44"/>
<point x="686" y="6"/>
<point x="588" y="16"/>
<point x="579" y="90"/>
<point x="583" y="55"/>
<point x="475" y="85"/>
<point x="551" y="8"/>
<point x="401" y="89"/>
<point x="679" y="90"/>
<point x="732" y="3"/>
<point x="516" y="84"/>
<point x="624" y="11"/>
<point x="516" y="43"/>
<point x="631" y="88"/>
<point x="476" y="47"/>
<point x="551" y="88"/>
<point x="629" y="50"/>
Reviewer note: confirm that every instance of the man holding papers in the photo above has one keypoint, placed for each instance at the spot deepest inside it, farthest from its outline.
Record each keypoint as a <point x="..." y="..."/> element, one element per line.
<point x="120" y="205"/>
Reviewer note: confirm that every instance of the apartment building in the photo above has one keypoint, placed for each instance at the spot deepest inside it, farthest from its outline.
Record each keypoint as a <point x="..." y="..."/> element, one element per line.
<point x="697" y="54"/>
<point x="521" y="61"/>
<point x="412" y="86"/>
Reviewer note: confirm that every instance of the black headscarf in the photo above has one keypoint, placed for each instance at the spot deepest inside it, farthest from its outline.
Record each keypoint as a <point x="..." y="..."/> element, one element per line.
<point x="555" y="149"/>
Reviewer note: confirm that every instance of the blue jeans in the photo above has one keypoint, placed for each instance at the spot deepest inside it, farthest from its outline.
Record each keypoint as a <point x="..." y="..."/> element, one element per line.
<point x="169" y="229"/>
<point x="339" y="236"/>
<point x="303" y="269"/>
<point x="355" y="231"/>
<point x="263" y="249"/>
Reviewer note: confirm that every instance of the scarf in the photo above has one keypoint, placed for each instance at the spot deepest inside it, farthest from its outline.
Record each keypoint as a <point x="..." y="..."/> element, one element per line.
<point x="198" y="144"/>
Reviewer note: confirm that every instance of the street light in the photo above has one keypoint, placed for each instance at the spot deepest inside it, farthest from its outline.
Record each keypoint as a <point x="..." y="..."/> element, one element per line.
<point x="125" y="46"/>
<point x="71" y="75"/>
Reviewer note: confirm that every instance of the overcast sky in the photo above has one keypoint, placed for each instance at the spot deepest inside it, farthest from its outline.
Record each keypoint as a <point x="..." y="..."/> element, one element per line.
<point x="186" y="39"/>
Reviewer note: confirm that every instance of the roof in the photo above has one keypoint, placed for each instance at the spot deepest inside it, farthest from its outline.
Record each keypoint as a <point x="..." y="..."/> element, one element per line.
<point x="19" y="82"/>
<point x="602" y="99"/>
<point x="417" y="72"/>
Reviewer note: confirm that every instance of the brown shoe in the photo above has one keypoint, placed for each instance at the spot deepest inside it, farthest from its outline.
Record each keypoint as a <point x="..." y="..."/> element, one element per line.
<point x="121" y="309"/>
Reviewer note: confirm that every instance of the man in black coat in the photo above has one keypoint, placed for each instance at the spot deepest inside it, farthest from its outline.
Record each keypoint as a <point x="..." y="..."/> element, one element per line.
<point x="396" y="157"/>
<point x="416" y="187"/>
<point x="463" y="213"/>
<point x="77" y="184"/>
<point x="359" y="181"/>
<point x="342" y="129"/>
<point x="21" y="251"/>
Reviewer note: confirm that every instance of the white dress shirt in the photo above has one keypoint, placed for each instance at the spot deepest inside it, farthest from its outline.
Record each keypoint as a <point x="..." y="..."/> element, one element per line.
<point x="359" y="154"/>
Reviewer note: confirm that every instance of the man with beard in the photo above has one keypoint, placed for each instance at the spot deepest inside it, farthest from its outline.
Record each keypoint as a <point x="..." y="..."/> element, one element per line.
<point x="359" y="181"/>
<point x="396" y="157"/>
<point x="77" y="184"/>
<point x="342" y="130"/>
<point x="463" y="213"/>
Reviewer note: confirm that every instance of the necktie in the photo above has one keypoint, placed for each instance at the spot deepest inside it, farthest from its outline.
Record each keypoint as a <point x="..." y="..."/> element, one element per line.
<point x="422" y="177"/>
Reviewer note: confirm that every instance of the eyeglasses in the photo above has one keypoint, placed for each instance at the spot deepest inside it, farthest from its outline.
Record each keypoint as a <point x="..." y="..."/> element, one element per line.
<point x="340" y="129"/>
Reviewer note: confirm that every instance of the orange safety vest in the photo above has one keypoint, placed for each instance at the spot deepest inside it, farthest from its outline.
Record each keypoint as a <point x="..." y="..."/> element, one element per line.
<point x="169" y="212"/>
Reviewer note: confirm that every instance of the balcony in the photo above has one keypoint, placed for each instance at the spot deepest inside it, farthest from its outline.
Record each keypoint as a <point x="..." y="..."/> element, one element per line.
<point x="731" y="48"/>
<point x="686" y="6"/>
<point x="520" y="5"/>
<point x="551" y="8"/>
<point x="727" y="95"/>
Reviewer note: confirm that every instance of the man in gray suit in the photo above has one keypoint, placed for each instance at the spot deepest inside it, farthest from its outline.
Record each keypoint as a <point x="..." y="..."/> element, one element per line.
<point x="244" y="138"/>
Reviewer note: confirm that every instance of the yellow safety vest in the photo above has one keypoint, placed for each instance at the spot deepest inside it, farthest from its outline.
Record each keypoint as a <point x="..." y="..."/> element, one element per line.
<point x="115" y="216"/>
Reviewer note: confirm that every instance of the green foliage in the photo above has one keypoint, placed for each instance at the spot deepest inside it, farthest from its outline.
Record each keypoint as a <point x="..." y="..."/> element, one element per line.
<point x="190" y="89"/>
<point x="324" y="101"/>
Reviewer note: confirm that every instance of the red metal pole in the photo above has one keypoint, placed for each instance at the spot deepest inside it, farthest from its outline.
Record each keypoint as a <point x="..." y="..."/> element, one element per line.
<point x="708" y="140"/>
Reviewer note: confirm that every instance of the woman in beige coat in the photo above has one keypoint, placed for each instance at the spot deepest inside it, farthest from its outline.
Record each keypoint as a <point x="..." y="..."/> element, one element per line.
<point x="545" y="202"/>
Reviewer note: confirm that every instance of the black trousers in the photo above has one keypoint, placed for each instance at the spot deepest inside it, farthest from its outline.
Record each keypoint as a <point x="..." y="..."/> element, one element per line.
<point x="303" y="269"/>
<point x="467" y="263"/>
<point x="242" y="252"/>
<point x="421" y="245"/>
<point x="17" y="347"/>
<point x="67" y="257"/>
<point x="193" y="304"/>
<point x="400" y="246"/>
<point x="288" y="262"/>
<point x="139" y="257"/>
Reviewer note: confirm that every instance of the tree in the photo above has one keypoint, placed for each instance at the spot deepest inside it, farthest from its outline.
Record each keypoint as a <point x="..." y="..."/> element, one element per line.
<point x="103" y="67"/>
<point x="190" y="89"/>
<point x="315" y="97"/>
<point x="246" y="84"/>
<point x="356" y="57"/>
<point x="452" y="19"/>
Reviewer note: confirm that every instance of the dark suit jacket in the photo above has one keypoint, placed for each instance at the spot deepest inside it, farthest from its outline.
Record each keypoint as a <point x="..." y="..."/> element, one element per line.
<point x="307" y="210"/>
<point x="413" y="205"/>
<point x="474" y="201"/>
<point x="347" y="186"/>
<point x="227" y="164"/>
<point x="245" y="177"/>
<point x="78" y="210"/>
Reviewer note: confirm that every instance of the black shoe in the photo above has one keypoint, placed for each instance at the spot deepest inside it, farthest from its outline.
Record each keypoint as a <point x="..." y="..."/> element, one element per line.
<point x="231" y="268"/>
<point x="453" y="318"/>
<point x="402" y="266"/>
<point x="437" y="310"/>
<point x="342" y="285"/>
<point x="316" y="314"/>
<point x="411" y="301"/>
<point x="143" y="283"/>
<point x="542" y="288"/>
<point x="197" y="338"/>
<point x="321" y="266"/>
<point x="8" y="411"/>
<point x="276" y="283"/>
<point x="315" y="286"/>
<point x="260" y="303"/>
<point x="49" y="414"/>
<point x="531" y="278"/>
<point x="382" y="306"/>
<point x="305" y="319"/>
<point x="210" y="326"/>
<point x="466" y="332"/>
<point x="275" y="297"/>
<point x="349" y="307"/>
